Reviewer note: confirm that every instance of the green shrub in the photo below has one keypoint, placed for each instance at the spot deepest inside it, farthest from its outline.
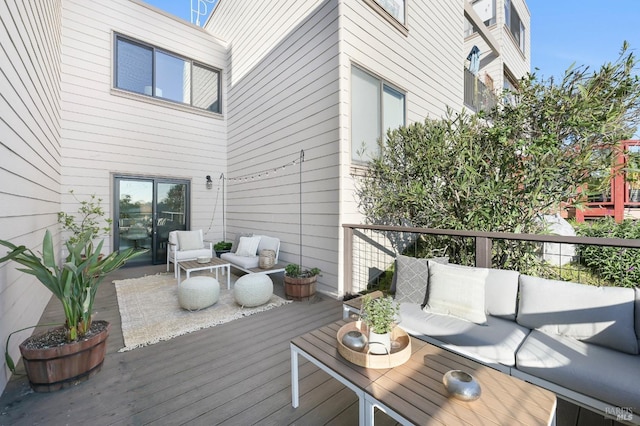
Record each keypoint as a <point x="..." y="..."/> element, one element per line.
<point x="619" y="265"/>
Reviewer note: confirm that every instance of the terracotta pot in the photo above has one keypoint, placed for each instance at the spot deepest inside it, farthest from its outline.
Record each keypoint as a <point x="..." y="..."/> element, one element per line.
<point x="51" y="369"/>
<point x="300" y="288"/>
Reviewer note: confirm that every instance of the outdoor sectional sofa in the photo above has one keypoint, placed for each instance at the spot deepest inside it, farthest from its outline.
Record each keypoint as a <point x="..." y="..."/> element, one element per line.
<point x="578" y="341"/>
<point x="245" y="253"/>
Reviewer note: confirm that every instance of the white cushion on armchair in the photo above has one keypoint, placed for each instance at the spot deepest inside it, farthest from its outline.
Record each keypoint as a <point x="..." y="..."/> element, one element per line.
<point x="189" y="240"/>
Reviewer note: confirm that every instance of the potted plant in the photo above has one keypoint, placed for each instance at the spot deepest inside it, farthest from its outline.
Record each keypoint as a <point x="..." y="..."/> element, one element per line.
<point x="380" y="315"/>
<point x="222" y="247"/>
<point x="90" y="215"/>
<point x="300" y="283"/>
<point x="74" y="351"/>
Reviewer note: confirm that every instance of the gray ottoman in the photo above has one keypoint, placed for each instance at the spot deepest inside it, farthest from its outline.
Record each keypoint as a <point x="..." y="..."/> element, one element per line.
<point x="253" y="290"/>
<point x="198" y="293"/>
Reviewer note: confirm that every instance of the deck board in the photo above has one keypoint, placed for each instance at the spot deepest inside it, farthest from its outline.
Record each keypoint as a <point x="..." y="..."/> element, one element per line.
<point x="211" y="376"/>
<point x="207" y="377"/>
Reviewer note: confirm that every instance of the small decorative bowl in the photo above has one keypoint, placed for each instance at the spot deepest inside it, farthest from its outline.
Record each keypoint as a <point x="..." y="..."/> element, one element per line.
<point x="354" y="340"/>
<point x="461" y="385"/>
<point x="203" y="259"/>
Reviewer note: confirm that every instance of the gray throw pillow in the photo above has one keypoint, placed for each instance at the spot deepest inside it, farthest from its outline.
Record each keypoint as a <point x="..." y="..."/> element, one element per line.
<point x="394" y="280"/>
<point x="412" y="278"/>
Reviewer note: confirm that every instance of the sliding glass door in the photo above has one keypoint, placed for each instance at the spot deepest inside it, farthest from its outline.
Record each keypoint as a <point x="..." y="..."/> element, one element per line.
<point x="146" y="210"/>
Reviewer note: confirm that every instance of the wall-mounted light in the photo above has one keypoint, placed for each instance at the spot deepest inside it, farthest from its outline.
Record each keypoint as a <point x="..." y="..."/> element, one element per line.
<point x="209" y="182"/>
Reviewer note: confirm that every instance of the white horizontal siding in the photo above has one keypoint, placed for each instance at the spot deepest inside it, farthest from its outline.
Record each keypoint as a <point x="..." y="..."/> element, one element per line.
<point x="30" y="41"/>
<point x="283" y="98"/>
<point x="518" y="62"/>
<point x="106" y="131"/>
<point x="427" y="64"/>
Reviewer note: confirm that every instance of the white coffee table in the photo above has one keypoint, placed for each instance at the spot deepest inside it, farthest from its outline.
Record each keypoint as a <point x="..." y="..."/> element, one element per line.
<point x="215" y="264"/>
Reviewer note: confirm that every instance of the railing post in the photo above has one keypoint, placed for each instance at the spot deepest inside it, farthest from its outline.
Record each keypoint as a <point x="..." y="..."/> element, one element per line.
<point x="348" y="259"/>
<point x="483" y="252"/>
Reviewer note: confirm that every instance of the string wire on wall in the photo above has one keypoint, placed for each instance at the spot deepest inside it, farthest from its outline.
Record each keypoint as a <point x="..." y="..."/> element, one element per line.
<point x="270" y="172"/>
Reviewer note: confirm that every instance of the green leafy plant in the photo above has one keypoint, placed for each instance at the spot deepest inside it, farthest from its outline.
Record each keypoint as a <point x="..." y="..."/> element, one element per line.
<point x="90" y="219"/>
<point x="501" y="170"/>
<point x="379" y="314"/>
<point x="222" y="246"/>
<point x="294" y="270"/>
<point x="618" y="265"/>
<point x="76" y="282"/>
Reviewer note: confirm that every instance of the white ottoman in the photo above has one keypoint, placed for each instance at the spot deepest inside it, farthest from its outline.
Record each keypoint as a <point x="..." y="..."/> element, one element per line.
<point x="198" y="293"/>
<point x="253" y="290"/>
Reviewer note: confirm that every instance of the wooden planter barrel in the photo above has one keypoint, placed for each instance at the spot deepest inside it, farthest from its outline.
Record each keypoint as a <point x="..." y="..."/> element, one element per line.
<point x="300" y="288"/>
<point x="51" y="369"/>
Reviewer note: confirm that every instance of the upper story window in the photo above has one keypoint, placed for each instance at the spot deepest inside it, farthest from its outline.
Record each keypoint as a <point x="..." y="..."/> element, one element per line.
<point x="486" y="10"/>
<point x="513" y="22"/>
<point x="376" y="106"/>
<point x="150" y="71"/>
<point x="394" y="8"/>
<point x="393" y="11"/>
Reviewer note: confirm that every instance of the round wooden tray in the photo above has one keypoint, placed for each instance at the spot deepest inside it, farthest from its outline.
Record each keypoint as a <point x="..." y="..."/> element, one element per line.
<point x="400" y="352"/>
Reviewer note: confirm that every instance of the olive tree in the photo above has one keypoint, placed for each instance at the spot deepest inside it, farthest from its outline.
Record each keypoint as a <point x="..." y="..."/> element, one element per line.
<point x="498" y="171"/>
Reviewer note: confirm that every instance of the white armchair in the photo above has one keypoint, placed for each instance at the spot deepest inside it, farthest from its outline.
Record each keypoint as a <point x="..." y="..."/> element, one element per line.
<point x="186" y="245"/>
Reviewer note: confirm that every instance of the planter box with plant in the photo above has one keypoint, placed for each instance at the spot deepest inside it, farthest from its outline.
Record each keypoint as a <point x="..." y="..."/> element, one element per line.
<point x="300" y="283"/>
<point x="74" y="351"/>
<point x="222" y="247"/>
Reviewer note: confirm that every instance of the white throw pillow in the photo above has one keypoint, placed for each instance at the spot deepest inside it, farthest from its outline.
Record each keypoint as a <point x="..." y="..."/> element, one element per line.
<point x="248" y="246"/>
<point x="190" y="240"/>
<point x="457" y="292"/>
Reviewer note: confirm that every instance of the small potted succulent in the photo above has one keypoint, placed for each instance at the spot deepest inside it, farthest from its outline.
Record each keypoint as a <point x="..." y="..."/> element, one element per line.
<point x="380" y="315"/>
<point x="300" y="283"/>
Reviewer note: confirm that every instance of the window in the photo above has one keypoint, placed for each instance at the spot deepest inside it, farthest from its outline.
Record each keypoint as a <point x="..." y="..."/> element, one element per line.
<point x="515" y="25"/>
<point x="147" y="70"/>
<point x="486" y="10"/>
<point x="375" y="108"/>
<point x="394" y="8"/>
<point x="510" y="90"/>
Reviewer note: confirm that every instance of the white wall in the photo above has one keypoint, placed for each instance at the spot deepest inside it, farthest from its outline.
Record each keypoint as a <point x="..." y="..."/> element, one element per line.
<point x="30" y="160"/>
<point x="107" y="131"/>
<point x="283" y="98"/>
<point x="64" y="126"/>
<point x="289" y="90"/>
<point x="425" y="63"/>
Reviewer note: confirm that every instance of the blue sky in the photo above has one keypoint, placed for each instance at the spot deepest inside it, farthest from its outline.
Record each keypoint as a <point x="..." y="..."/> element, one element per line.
<point x="587" y="32"/>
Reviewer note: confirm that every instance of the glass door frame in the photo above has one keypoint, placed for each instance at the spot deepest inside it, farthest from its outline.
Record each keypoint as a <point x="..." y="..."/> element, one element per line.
<point x="155" y="181"/>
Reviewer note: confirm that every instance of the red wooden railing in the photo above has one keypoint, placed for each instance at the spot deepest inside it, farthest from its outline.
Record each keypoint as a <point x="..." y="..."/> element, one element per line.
<point x="619" y="197"/>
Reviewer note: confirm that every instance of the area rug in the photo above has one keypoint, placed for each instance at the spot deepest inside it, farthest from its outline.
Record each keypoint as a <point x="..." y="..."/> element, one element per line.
<point x="150" y="312"/>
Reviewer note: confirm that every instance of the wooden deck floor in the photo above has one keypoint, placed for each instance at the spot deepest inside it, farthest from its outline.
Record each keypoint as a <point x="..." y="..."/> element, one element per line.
<point x="236" y="373"/>
<point x="232" y="374"/>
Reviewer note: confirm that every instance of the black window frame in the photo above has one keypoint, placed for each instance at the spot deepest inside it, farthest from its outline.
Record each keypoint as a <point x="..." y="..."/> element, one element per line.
<point x="154" y="49"/>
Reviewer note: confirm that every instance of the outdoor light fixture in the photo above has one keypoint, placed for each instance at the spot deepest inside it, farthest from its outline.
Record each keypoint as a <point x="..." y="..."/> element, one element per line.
<point x="209" y="182"/>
